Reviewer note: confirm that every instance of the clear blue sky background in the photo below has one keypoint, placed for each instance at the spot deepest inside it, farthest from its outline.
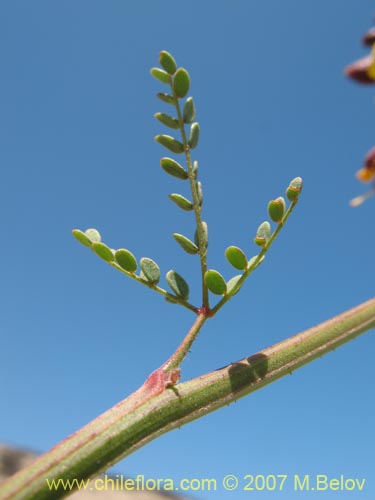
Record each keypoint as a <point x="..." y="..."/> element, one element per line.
<point x="77" y="150"/>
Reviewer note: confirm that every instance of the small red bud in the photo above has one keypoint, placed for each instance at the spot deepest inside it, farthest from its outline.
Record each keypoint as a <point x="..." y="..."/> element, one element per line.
<point x="360" y="70"/>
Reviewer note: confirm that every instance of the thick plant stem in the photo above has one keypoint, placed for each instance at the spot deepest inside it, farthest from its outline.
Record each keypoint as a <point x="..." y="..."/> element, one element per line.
<point x="146" y="414"/>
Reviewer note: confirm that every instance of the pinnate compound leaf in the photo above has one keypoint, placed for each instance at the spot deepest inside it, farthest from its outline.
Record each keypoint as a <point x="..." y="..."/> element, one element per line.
<point x="181" y="201"/>
<point x="181" y="82"/>
<point x="188" y="113"/>
<point x="150" y="270"/>
<point x="126" y="260"/>
<point x="178" y="284"/>
<point x="236" y="257"/>
<point x="215" y="282"/>
<point x="172" y="167"/>
<point x="167" y="120"/>
<point x="103" y="251"/>
<point x="160" y="75"/>
<point x="186" y="244"/>
<point x="170" y="143"/>
<point x="167" y="62"/>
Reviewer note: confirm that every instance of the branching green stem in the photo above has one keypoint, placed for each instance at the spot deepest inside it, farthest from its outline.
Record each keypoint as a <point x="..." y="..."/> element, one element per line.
<point x="147" y="414"/>
<point x="179" y="355"/>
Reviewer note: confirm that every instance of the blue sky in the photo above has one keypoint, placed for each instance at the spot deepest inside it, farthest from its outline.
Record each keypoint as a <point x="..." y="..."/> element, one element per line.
<point x="77" y="150"/>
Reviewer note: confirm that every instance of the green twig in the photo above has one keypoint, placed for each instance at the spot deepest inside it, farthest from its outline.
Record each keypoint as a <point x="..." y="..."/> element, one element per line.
<point x="143" y="416"/>
<point x="179" y="355"/>
<point x="196" y="202"/>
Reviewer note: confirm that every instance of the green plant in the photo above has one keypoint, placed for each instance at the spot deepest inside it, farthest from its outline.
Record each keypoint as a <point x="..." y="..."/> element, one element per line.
<point x="177" y="81"/>
<point x="162" y="403"/>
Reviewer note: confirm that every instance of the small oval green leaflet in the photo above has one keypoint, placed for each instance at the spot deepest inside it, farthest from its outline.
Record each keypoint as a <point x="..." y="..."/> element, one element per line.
<point x="160" y="75"/>
<point x="172" y="167"/>
<point x="294" y="189"/>
<point x="204" y="235"/>
<point x="188" y="113"/>
<point x="150" y="270"/>
<point x="178" y="284"/>
<point x="195" y="169"/>
<point x="250" y="264"/>
<point x="181" y="82"/>
<point x="263" y="234"/>
<point x="167" y="120"/>
<point x="170" y="143"/>
<point x="126" y="260"/>
<point x="236" y="257"/>
<point x="194" y="135"/>
<point x="181" y="201"/>
<point x="186" y="244"/>
<point x="232" y="283"/>
<point x="103" y="251"/>
<point x="93" y="234"/>
<point x="199" y="193"/>
<point x="215" y="282"/>
<point x="82" y="237"/>
<point x="167" y="98"/>
<point x="276" y="209"/>
<point x="167" y="61"/>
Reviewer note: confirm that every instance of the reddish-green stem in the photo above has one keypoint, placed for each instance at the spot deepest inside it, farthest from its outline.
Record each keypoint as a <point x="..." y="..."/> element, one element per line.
<point x="148" y="412"/>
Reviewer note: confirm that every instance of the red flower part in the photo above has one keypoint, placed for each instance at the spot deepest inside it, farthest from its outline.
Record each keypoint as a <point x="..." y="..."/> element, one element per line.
<point x="359" y="70"/>
<point x="367" y="172"/>
<point x="369" y="37"/>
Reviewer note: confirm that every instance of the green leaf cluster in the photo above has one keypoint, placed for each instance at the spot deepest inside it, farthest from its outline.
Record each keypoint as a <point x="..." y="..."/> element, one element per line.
<point x="123" y="260"/>
<point x="145" y="270"/>
<point x="278" y="212"/>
